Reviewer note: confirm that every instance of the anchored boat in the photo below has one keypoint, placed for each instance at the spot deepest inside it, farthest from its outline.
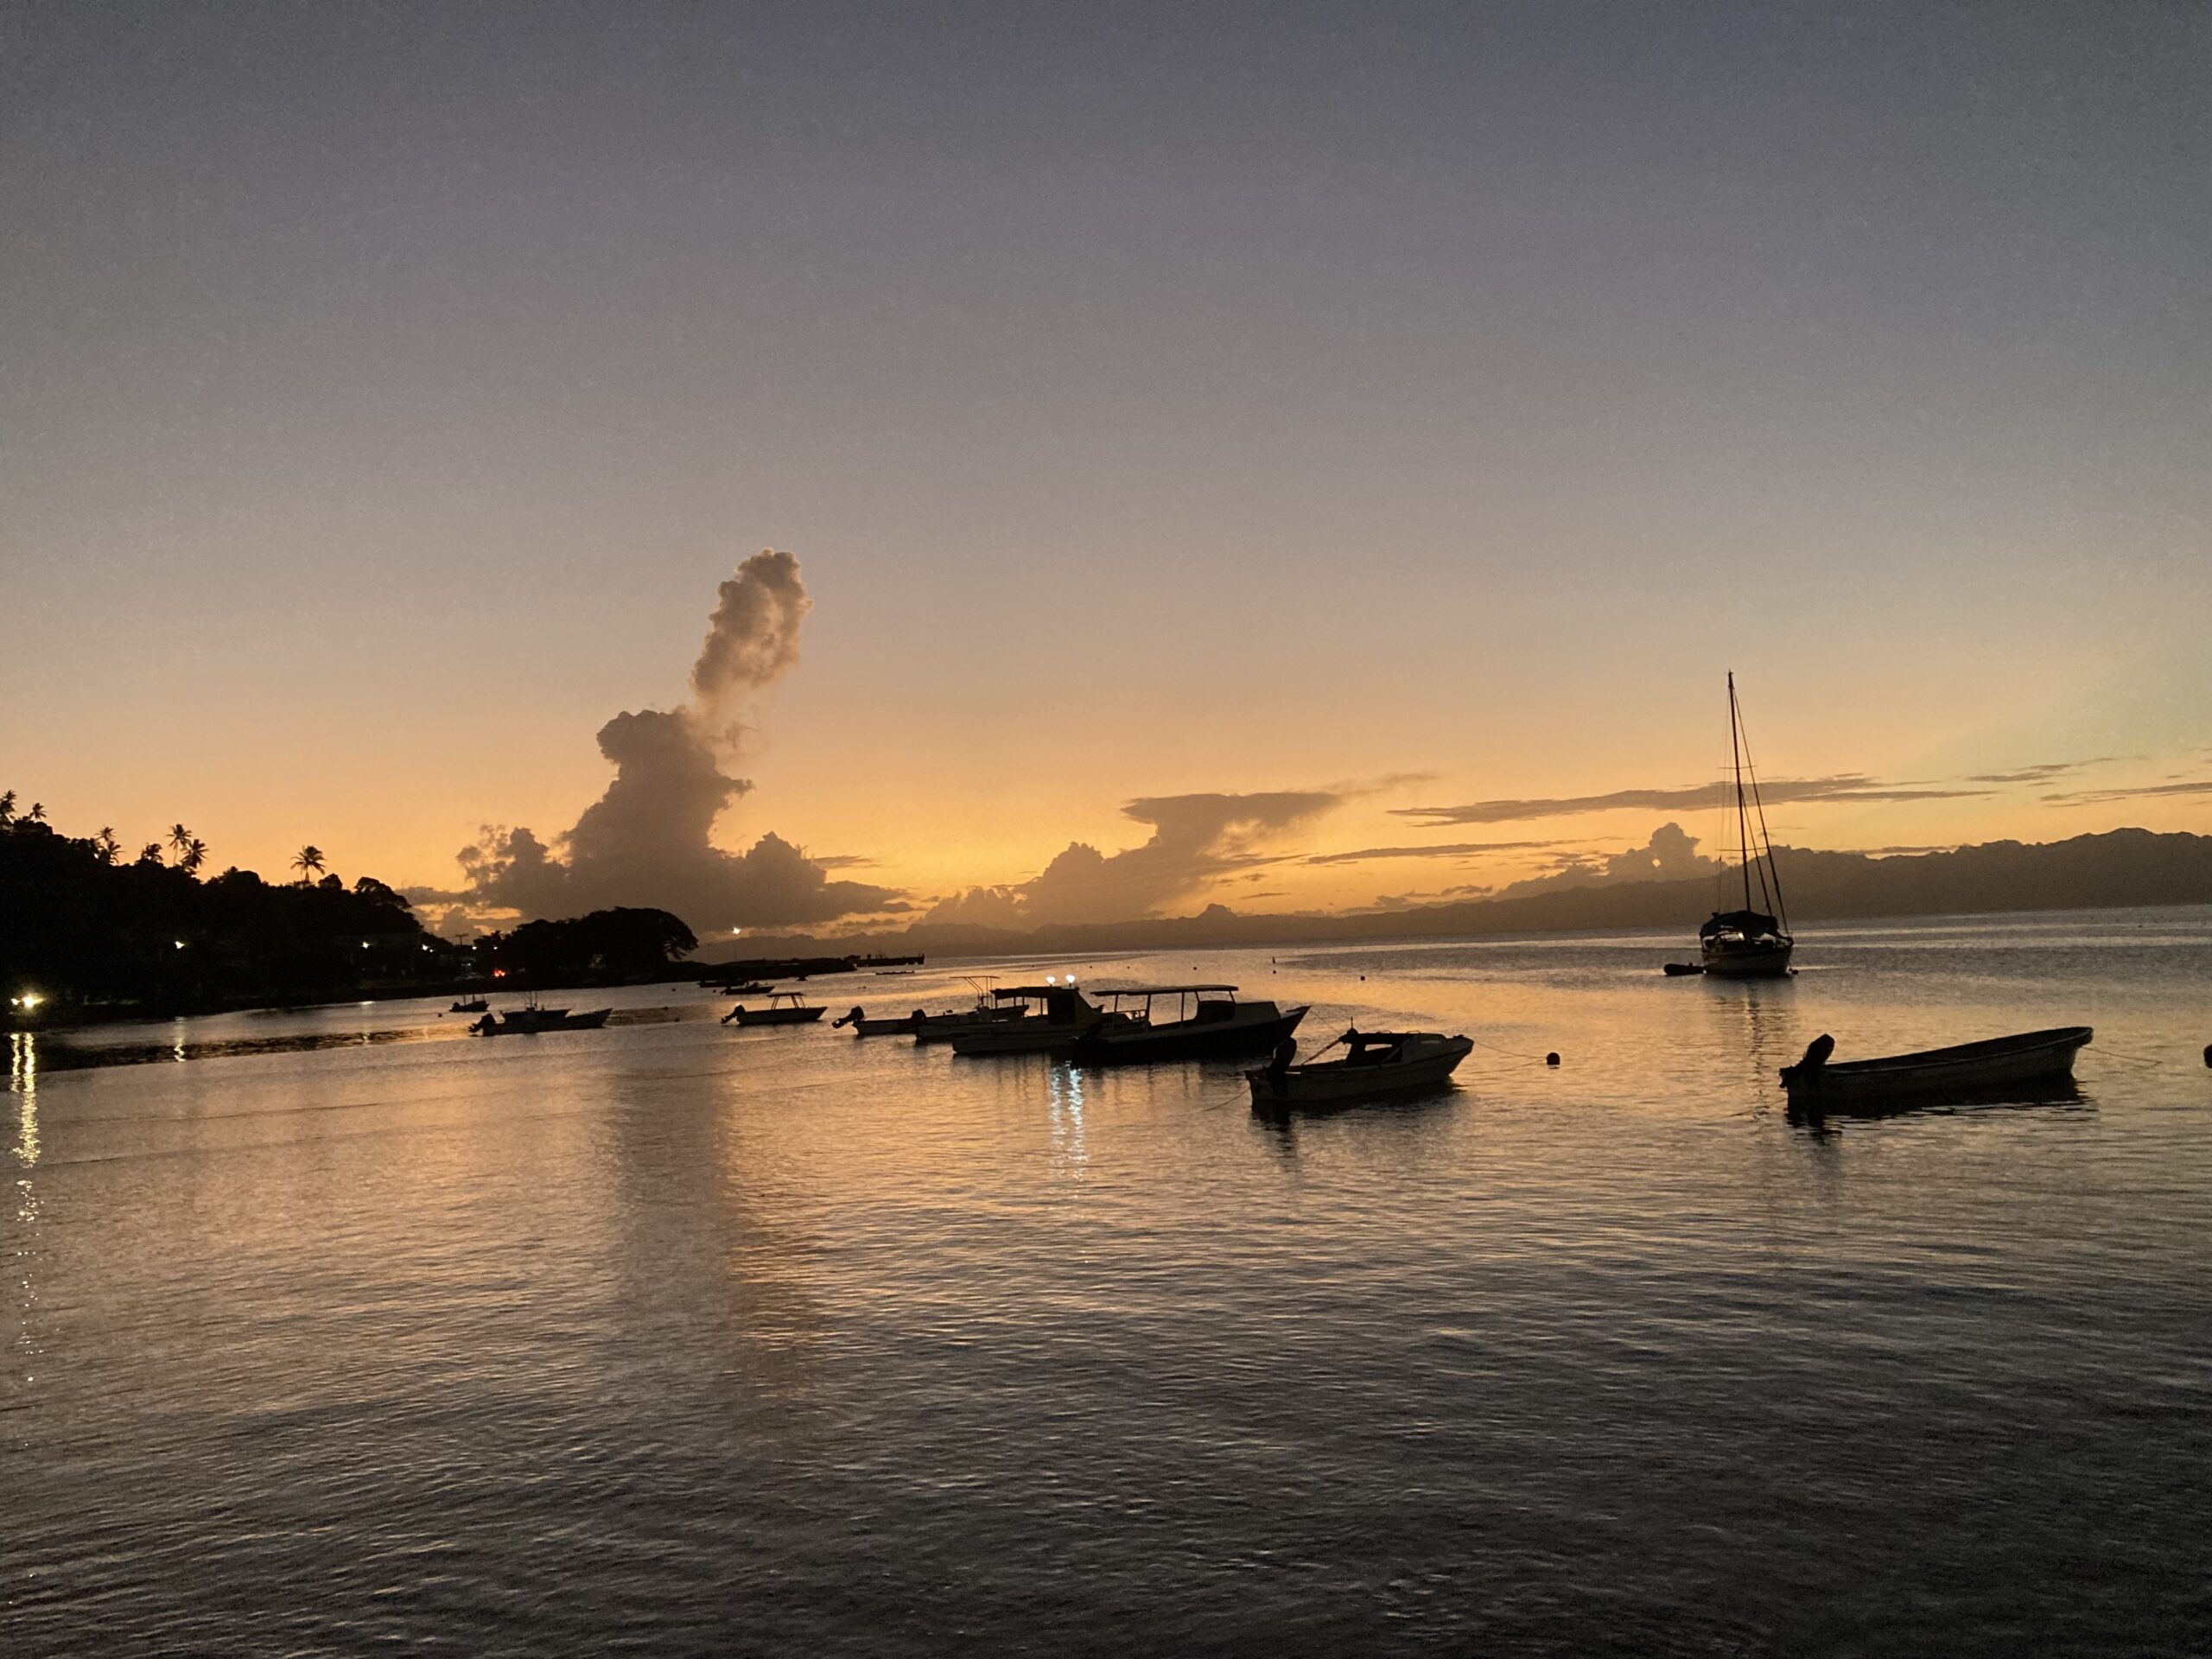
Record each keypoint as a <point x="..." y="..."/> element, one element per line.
<point x="2030" y="1060"/>
<point x="1376" y="1063"/>
<point x="1753" y="943"/>
<point x="785" y="1008"/>
<point x="1053" y="1017"/>
<point x="1209" y="1023"/>
<point x="530" y="1018"/>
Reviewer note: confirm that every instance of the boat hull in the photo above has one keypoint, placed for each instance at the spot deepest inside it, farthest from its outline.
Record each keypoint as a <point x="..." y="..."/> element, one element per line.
<point x="1336" y="1083"/>
<point x="2032" y="1060"/>
<point x="525" y="1023"/>
<point x="773" y="1016"/>
<point x="1029" y="1036"/>
<point x="1757" y="960"/>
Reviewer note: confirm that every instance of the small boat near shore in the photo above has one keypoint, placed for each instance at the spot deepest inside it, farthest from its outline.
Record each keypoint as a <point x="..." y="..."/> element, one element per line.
<point x="1377" y="1064"/>
<point x="470" y="1005"/>
<point x="530" y="1019"/>
<point x="785" y="1008"/>
<point x="1211" y="1024"/>
<point x="2030" y="1060"/>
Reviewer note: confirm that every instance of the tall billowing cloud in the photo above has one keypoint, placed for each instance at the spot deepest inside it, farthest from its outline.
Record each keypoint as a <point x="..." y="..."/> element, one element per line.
<point x="1195" y="839"/>
<point x="649" y="839"/>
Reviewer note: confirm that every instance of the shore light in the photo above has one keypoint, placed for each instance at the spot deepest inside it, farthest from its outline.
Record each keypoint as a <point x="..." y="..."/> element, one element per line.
<point x="28" y="1001"/>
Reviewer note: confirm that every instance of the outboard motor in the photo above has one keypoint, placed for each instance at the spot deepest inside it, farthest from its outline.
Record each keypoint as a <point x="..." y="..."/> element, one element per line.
<point x="1817" y="1053"/>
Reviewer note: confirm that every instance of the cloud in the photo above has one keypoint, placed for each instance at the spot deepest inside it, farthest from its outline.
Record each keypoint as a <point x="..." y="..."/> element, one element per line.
<point x="1195" y="839"/>
<point x="1670" y="854"/>
<point x="2042" y="773"/>
<point x="1445" y="849"/>
<point x="649" y="839"/>
<point x="2147" y="792"/>
<point x="1781" y="791"/>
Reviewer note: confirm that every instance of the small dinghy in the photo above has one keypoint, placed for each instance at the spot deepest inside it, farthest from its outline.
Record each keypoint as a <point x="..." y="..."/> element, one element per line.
<point x="1376" y="1063"/>
<point x="1972" y="1070"/>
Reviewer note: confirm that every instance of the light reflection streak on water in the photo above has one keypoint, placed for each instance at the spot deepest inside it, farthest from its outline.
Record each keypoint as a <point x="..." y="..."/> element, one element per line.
<point x="22" y="1083"/>
<point x="1063" y="1084"/>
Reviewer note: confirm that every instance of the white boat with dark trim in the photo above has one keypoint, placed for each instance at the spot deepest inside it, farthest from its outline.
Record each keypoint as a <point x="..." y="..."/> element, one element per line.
<point x="1971" y="1071"/>
<point x="785" y="1008"/>
<point x="1376" y="1063"/>
<point x="1209" y="1023"/>
<point x="1054" y="1014"/>
<point x="1752" y="942"/>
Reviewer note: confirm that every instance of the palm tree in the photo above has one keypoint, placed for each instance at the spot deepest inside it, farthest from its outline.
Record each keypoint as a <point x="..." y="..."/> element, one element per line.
<point x="180" y="839"/>
<point x="104" y="845"/>
<point x="308" y="862"/>
<point x="195" y="855"/>
<point x="150" y="853"/>
<point x="37" y="814"/>
<point x="7" y="807"/>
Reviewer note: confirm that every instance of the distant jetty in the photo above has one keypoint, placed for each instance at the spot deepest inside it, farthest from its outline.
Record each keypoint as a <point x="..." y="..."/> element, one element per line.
<point x="766" y="970"/>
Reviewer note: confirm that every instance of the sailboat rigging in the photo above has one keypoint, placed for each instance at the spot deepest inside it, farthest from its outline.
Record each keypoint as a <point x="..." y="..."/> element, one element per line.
<point x="1753" y="943"/>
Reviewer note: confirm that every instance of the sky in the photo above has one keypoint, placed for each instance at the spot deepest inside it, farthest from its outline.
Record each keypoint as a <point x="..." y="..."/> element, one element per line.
<point x="1328" y="457"/>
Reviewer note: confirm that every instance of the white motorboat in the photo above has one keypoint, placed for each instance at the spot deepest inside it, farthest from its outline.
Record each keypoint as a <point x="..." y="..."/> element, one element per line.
<point x="1054" y="1015"/>
<point x="1375" y="1063"/>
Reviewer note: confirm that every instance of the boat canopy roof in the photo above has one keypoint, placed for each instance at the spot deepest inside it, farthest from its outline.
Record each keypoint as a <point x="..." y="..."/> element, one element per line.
<point x="1744" y="921"/>
<point x="1157" y="990"/>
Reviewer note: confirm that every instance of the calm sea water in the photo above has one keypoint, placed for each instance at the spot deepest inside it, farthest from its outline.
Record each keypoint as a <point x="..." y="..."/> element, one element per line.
<point x="340" y="1331"/>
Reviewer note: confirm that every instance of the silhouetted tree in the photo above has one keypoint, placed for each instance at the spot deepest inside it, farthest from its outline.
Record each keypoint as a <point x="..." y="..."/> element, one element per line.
<point x="308" y="862"/>
<point x="7" y="807"/>
<point x="150" y="853"/>
<point x="195" y="855"/>
<point x="180" y="839"/>
<point x="106" y="847"/>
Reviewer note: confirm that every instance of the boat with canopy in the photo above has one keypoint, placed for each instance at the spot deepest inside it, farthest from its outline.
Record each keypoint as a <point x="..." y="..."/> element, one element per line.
<point x="1209" y="1022"/>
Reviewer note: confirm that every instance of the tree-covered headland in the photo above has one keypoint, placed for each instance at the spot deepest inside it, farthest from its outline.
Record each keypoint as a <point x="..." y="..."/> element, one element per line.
<point x="85" y="929"/>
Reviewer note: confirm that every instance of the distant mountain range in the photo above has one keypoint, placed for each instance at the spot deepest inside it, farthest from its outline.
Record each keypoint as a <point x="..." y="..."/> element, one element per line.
<point x="2119" y="868"/>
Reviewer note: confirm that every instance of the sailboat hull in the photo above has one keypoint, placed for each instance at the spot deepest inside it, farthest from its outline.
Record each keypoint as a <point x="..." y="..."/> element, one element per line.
<point x="1759" y="959"/>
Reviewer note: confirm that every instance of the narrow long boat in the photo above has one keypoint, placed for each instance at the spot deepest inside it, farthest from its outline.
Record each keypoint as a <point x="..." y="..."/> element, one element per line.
<point x="1968" y="1072"/>
<point x="785" y="1008"/>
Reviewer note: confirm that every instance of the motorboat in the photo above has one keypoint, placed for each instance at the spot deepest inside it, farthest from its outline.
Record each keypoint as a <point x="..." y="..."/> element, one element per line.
<point x="2025" y="1062"/>
<point x="530" y="1019"/>
<point x="785" y="1008"/>
<point x="470" y="1005"/>
<point x="923" y="1026"/>
<point x="1209" y="1023"/>
<point x="1375" y="1063"/>
<point x="1753" y="942"/>
<point x="750" y="988"/>
<point x="1052" y="1016"/>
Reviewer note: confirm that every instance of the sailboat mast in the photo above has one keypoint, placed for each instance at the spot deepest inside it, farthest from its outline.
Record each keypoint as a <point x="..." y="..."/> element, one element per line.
<point x="1742" y="823"/>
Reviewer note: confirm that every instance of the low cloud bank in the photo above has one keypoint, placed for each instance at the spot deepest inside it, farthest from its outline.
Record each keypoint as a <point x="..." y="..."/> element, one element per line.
<point x="1196" y="839"/>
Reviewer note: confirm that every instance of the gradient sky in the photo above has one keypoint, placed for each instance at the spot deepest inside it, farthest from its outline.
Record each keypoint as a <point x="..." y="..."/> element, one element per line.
<point x="1422" y="405"/>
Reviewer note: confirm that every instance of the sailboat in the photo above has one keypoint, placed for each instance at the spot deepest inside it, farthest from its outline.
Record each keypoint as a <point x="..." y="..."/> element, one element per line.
<point x="1752" y="942"/>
